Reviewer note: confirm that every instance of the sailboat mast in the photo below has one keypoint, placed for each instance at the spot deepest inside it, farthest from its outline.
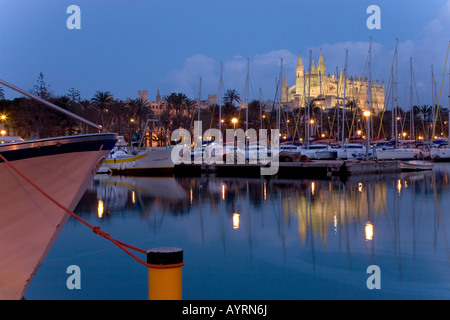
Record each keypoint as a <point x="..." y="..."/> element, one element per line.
<point x="433" y="100"/>
<point x="411" y="110"/>
<point x="309" y="99"/>
<point x="199" y="97"/>
<point x="246" y="93"/>
<point x="354" y="106"/>
<point x="395" y="93"/>
<point x="337" y="103"/>
<point x="369" y="94"/>
<point x="345" y="89"/>
<point x="321" y="104"/>
<point x="279" y="93"/>
<point x="260" y="109"/>
<point x="219" y="96"/>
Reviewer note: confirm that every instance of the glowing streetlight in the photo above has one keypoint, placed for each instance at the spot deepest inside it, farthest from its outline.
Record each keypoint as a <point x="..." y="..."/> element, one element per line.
<point x="234" y="121"/>
<point x="3" y="117"/>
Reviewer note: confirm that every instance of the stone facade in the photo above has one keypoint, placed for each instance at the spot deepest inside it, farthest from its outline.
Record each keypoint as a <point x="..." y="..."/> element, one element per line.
<point x="323" y="88"/>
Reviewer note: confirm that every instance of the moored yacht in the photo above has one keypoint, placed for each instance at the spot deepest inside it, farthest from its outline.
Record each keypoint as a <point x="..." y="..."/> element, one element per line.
<point x="388" y="152"/>
<point x="355" y="151"/>
<point x="319" y="152"/>
<point x="42" y="180"/>
<point x="440" y="153"/>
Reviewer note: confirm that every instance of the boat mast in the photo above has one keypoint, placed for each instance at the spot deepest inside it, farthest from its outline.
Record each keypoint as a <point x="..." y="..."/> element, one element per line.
<point x="279" y="95"/>
<point x="353" y="106"/>
<point x="51" y="105"/>
<point x="260" y="109"/>
<point x="395" y="94"/>
<point x="343" y="103"/>
<point x="433" y="100"/>
<point x="219" y="97"/>
<point x="246" y="93"/>
<point x="369" y="94"/>
<point x="309" y="100"/>
<point x="337" y="104"/>
<point x="321" y="104"/>
<point x="411" y="110"/>
<point x="199" y="97"/>
<point x="440" y="90"/>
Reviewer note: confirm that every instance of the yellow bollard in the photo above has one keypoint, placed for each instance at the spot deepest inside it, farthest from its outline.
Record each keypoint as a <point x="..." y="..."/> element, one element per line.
<point x="164" y="273"/>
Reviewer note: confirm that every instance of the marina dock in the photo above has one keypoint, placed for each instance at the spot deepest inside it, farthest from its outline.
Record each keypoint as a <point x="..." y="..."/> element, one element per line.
<point x="311" y="169"/>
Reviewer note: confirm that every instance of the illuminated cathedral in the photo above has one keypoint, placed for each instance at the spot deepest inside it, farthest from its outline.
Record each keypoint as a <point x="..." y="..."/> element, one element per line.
<point x="327" y="90"/>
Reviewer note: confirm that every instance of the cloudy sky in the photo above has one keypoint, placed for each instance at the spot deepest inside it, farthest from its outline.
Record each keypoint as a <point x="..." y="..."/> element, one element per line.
<point x="126" y="46"/>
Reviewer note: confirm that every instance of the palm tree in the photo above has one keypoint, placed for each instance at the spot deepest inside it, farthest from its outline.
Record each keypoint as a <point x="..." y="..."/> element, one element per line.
<point x="117" y="112"/>
<point x="101" y="101"/>
<point x="176" y="101"/>
<point x="140" y="108"/>
<point x="230" y="96"/>
<point x="189" y="104"/>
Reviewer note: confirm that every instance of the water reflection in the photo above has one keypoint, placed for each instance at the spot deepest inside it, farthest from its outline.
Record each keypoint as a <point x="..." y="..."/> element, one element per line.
<point x="318" y="227"/>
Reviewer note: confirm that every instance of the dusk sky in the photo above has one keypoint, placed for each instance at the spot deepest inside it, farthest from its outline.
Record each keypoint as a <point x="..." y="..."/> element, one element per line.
<point x="126" y="46"/>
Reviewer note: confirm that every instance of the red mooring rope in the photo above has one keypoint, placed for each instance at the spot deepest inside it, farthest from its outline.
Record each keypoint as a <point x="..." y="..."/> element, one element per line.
<point x="97" y="230"/>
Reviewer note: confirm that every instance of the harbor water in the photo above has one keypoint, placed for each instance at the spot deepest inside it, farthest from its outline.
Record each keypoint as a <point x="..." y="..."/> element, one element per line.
<point x="269" y="239"/>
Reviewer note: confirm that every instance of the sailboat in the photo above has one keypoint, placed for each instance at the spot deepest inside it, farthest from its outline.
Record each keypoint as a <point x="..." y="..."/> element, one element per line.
<point x="38" y="179"/>
<point x="396" y="151"/>
<point x="441" y="152"/>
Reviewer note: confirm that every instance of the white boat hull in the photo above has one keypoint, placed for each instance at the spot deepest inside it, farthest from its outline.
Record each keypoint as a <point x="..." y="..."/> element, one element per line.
<point x="398" y="154"/>
<point x="440" y="154"/>
<point x="30" y="222"/>
<point x="319" y="154"/>
<point x="151" y="162"/>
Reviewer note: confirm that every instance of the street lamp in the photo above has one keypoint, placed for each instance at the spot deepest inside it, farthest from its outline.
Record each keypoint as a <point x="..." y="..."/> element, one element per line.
<point x="367" y="115"/>
<point x="3" y="132"/>
<point x="234" y="121"/>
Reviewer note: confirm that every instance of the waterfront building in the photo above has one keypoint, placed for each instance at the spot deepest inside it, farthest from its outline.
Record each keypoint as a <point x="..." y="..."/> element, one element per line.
<point x="327" y="90"/>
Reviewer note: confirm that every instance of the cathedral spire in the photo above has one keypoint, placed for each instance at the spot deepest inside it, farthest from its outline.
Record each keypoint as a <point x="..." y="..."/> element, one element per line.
<point x="313" y="68"/>
<point x="321" y="64"/>
<point x="300" y="68"/>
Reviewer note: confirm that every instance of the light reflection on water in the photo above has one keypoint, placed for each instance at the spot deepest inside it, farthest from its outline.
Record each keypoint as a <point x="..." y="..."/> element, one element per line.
<point x="262" y="239"/>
